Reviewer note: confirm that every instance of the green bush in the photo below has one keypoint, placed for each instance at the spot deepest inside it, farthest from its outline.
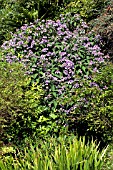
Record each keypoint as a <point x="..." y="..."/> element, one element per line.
<point x="13" y="14"/>
<point x="92" y="114"/>
<point x="63" y="153"/>
<point x="88" y="9"/>
<point x="20" y="104"/>
<point x="103" y="25"/>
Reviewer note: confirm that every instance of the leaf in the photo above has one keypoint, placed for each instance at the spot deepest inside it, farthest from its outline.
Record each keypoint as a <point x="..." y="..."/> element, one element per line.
<point x="42" y="119"/>
<point x="35" y="76"/>
<point x="75" y="24"/>
<point x="83" y="68"/>
<point x="54" y="94"/>
<point x="53" y="116"/>
<point x="58" y="76"/>
<point x="55" y="104"/>
<point x="82" y="56"/>
<point x="52" y="88"/>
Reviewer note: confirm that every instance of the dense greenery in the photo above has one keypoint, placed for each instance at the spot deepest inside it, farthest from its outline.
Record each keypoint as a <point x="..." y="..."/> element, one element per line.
<point x="93" y="113"/>
<point x="14" y="14"/>
<point x="56" y="54"/>
<point x="103" y="25"/>
<point x="88" y="9"/>
<point x="20" y="108"/>
<point x="56" y="79"/>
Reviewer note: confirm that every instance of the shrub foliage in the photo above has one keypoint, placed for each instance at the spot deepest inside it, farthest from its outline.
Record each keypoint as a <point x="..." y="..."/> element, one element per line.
<point x="103" y="25"/>
<point x="60" y="55"/>
<point x="93" y="110"/>
<point x="20" y="107"/>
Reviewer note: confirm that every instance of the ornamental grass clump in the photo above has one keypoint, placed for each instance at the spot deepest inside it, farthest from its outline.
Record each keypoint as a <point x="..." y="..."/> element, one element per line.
<point x="55" y="53"/>
<point x="60" y="154"/>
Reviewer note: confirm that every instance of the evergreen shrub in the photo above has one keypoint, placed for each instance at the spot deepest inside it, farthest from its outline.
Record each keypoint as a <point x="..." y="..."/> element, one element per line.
<point x="103" y="25"/>
<point x="20" y="108"/>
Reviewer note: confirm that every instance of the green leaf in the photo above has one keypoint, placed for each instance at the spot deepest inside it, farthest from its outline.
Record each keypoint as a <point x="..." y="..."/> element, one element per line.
<point x="54" y="94"/>
<point x="83" y="68"/>
<point x="81" y="55"/>
<point x="55" y="104"/>
<point x="53" y="116"/>
<point x="35" y="76"/>
<point x="53" y="88"/>
<point x="75" y="24"/>
<point x="58" y="76"/>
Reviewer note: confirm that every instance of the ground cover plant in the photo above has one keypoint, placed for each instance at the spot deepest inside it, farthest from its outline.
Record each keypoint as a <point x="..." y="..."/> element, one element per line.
<point x="108" y="163"/>
<point x="55" y="55"/>
<point x="57" y="154"/>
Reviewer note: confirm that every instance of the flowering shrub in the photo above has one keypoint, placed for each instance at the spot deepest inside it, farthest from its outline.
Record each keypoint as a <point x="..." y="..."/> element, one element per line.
<point x="55" y="54"/>
<point x="92" y="111"/>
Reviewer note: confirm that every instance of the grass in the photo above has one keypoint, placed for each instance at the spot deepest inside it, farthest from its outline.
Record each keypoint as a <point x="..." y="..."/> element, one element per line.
<point x="56" y="154"/>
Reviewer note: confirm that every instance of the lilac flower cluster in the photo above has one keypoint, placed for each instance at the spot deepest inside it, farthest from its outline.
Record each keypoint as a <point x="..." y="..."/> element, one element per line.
<point x="55" y="53"/>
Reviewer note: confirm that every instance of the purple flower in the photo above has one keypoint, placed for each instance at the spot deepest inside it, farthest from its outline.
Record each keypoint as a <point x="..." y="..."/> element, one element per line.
<point x="62" y="54"/>
<point x="44" y="50"/>
<point x="43" y="41"/>
<point x="65" y="72"/>
<point x="24" y="27"/>
<point x="76" y="85"/>
<point x="95" y="70"/>
<point x="84" y="25"/>
<point x="32" y="43"/>
<point x="100" y="59"/>
<point x="42" y="57"/>
<point x="57" y="72"/>
<point x="70" y="81"/>
<point x="60" y="91"/>
<point x="93" y="84"/>
<point x="96" y="47"/>
<point x="91" y="63"/>
<point x="49" y="54"/>
<point x="87" y="45"/>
